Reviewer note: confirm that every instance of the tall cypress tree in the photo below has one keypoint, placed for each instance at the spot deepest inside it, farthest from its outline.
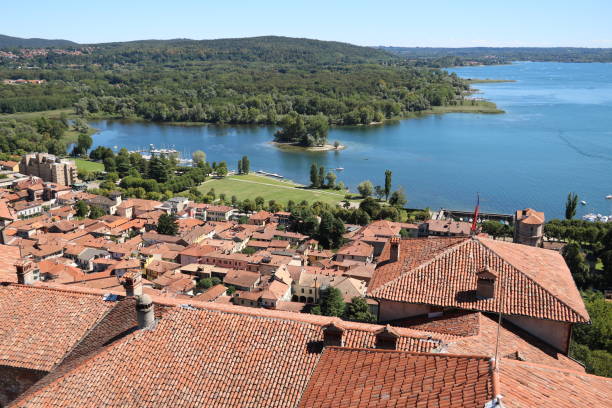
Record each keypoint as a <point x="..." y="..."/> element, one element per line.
<point x="314" y="175"/>
<point x="388" y="175"/>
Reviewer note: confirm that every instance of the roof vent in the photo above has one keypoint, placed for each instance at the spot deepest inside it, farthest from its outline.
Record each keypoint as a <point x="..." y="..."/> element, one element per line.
<point x="332" y="335"/>
<point x="386" y="338"/>
<point x="485" y="284"/>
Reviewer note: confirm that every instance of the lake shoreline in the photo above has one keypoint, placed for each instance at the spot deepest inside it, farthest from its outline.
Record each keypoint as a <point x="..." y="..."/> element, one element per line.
<point x="296" y="147"/>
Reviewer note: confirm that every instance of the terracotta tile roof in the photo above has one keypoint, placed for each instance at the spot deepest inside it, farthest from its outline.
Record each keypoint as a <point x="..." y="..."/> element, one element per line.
<point x="413" y="252"/>
<point x="9" y="255"/>
<point x="50" y="323"/>
<point x="241" y="278"/>
<point x="530" y="216"/>
<point x="449" y="227"/>
<point x="211" y="294"/>
<point x="532" y="281"/>
<point x="260" y="216"/>
<point x="513" y="340"/>
<point x="198" y="250"/>
<point x="527" y="385"/>
<point x="377" y="378"/>
<point x="265" y="360"/>
<point x="459" y="323"/>
<point x="6" y="212"/>
<point x="357" y="248"/>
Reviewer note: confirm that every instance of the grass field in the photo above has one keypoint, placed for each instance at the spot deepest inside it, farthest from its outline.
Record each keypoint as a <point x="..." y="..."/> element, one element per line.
<point x="53" y="114"/>
<point x="88" y="165"/>
<point x="251" y="186"/>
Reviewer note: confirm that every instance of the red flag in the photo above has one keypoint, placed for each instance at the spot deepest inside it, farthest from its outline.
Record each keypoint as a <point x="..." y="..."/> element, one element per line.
<point x="476" y="213"/>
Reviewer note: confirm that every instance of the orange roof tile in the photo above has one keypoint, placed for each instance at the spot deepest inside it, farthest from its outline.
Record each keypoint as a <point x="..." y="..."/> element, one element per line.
<point x="532" y="281"/>
<point x="379" y="378"/>
<point x="50" y="323"/>
<point x="527" y="385"/>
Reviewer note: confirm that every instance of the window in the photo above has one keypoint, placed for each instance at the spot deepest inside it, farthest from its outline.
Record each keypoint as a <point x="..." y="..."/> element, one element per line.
<point x="302" y="290"/>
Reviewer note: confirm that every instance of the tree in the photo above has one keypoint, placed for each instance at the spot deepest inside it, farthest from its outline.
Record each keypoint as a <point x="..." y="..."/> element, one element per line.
<point x="388" y="175"/>
<point x="398" y="198"/>
<point x="82" y="145"/>
<point x="321" y="176"/>
<point x="331" y="179"/>
<point x="370" y="206"/>
<point x="314" y="175"/>
<point x="167" y="225"/>
<point x="365" y="188"/>
<point x="331" y="302"/>
<point x="577" y="264"/>
<point x="379" y="192"/>
<point x="358" y="310"/>
<point x="198" y="157"/>
<point x="221" y="169"/>
<point x="96" y="212"/>
<point x="239" y="168"/>
<point x="82" y="209"/>
<point x="246" y="165"/>
<point x="259" y="202"/>
<point x="570" y="205"/>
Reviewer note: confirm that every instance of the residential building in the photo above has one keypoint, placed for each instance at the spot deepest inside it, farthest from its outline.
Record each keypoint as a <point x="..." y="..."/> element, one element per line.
<point x="445" y="228"/>
<point x="49" y="168"/>
<point x="531" y="287"/>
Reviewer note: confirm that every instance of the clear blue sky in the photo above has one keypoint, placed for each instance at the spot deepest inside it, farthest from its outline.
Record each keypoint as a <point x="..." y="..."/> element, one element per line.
<point x="452" y="23"/>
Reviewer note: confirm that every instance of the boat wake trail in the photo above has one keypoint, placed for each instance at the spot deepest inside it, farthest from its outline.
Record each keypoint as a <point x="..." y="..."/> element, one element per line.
<point x="579" y="150"/>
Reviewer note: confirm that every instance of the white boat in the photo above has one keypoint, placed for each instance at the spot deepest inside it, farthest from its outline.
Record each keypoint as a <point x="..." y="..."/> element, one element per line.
<point x="609" y="197"/>
<point x="339" y="168"/>
<point x="583" y="202"/>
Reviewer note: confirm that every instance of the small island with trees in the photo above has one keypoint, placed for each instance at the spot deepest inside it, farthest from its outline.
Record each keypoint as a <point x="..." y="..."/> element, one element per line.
<point x="305" y="131"/>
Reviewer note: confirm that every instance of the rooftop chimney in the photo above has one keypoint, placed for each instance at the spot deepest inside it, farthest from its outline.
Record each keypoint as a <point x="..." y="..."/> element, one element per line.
<point x="386" y="338"/>
<point x="332" y="335"/>
<point x="25" y="272"/>
<point x="395" y="249"/>
<point x="132" y="282"/>
<point x="485" y="284"/>
<point x="145" y="313"/>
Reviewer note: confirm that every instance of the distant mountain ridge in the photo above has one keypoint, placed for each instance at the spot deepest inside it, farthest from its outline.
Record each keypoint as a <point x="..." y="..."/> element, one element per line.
<point x="9" y="42"/>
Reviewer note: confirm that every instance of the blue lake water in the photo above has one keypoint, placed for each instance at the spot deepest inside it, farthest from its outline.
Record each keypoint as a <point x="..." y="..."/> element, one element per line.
<point x="555" y="137"/>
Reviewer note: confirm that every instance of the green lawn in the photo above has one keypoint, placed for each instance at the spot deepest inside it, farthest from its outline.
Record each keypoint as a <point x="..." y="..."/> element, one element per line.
<point x="251" y="186"/>
<point x="52" y="114"/>
<point x="87" y="165"/>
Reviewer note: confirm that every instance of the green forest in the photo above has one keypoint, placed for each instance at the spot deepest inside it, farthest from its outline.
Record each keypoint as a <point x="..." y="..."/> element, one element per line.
<point x="237" y="81"/>
<point x="461" y="56"/>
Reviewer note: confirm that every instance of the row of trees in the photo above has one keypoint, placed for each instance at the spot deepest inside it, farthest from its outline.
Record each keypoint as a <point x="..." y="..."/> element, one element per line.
<point x="319" y="179"/>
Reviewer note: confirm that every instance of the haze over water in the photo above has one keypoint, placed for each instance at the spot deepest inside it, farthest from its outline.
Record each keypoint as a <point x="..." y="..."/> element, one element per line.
<point x="555" y="137"/>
